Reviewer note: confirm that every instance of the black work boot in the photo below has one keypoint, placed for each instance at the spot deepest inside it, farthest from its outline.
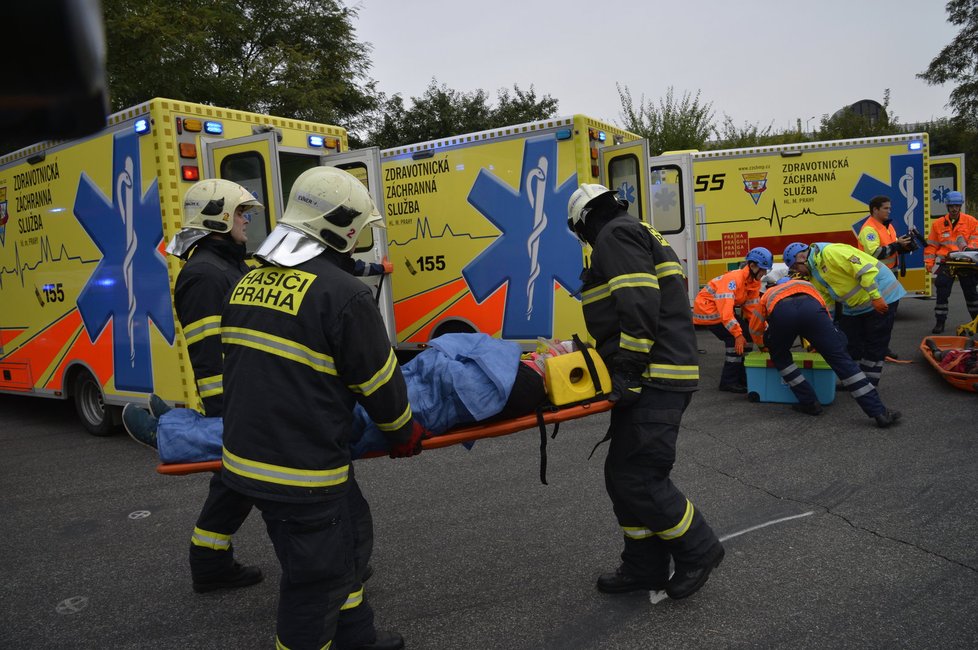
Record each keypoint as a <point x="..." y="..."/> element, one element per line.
<point x="938" y="328"/>
<point x="813" y="408"/>
<point x="887" y="418"/>
<point x="620" y="582"/>
<point x="733" y="388"/>
<point x="384" y="641"/>
<point x="688" y="578"/>
<point x="235" y="577"/>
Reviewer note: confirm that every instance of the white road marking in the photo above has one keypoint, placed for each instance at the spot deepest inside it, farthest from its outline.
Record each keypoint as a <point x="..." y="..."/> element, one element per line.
<point x="766" y="524"/>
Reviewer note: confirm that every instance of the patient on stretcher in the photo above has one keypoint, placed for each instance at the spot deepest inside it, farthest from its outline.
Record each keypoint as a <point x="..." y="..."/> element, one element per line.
<point x="459" y="379"/>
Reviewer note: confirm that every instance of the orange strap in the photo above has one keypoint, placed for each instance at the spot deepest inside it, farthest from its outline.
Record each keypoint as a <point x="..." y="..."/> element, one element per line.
<point x="456" y="436"/>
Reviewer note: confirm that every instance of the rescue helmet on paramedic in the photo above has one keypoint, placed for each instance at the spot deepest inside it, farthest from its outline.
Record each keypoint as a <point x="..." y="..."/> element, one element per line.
<point x="762" y="257"/>
<point x="791" y="252"/>
<point x="954" y="198"/>
<point x="331" y="206"/>
<point x="209" y="207"/>
<point x="581" y="202"/>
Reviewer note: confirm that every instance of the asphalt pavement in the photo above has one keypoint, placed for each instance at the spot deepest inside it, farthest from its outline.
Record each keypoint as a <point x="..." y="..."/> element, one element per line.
<point x="838" y="534"/>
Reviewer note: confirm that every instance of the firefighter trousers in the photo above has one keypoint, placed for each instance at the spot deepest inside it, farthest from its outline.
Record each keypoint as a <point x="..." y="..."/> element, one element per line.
<point x="321" y="598"/>
<point x="944" y="282"/>
<point x="658" y="522"/>
<point x="211" y="552"/>
<point x="869" y="339"/>
<point x="733" y="364"/>
<point x="802" y="315"/>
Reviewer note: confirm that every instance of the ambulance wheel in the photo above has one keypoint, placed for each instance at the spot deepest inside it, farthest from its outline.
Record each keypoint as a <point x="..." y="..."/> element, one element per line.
<point x="753" y="397"/>
<point x="96" y="416"/>
<point x="453" y="327"/>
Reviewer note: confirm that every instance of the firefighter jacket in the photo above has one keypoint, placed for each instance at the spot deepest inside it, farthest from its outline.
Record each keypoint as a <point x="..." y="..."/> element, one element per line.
<point x="845" y="274"/>
<point x="770" y="299"/>
<point x="215" y="265"/>
<point x="946" y="237"/>
<point x="716" y="302"/>
<point x="302" y="346"/>
<point x="635" y="306"/>
<point x="876" y="238"/>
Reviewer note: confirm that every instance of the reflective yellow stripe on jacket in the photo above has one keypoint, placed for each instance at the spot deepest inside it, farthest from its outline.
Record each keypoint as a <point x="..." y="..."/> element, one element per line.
<point x="307" y="478"/>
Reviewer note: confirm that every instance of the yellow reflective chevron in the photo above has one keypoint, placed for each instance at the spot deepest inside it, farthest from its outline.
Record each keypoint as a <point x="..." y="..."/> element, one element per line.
<point x="626" y="281"/>
<point x="635" y="344"/>
<point x="353" y="600"/>
<point x="636" y="532"/>
<point x="398" y="423"/>
<point x="201" y="329"/>
<point x="671" y="371"/>
<point x="307" y="478"/>
<point x="210" y="539"/>
<point x="679" y="529"/>
<point x="381" y="377"/>
<point x="210" y="386"/>
<point x="279" y="346"/>
<point x="665" y="269"/>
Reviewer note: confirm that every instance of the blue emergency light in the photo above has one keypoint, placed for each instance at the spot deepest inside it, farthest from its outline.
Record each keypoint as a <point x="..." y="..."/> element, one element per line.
<point x="141" y="125"/>
<point x="213" y="128"/>
<point x="316" y="140"/>
<point x="564" y="134"/>
<point x="602" y="136"/>
<point x="915" y="145"/>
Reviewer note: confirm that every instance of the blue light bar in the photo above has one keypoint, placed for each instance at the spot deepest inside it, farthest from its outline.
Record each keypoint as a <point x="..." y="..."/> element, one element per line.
<point x="316" y="140"/>
<point x="141" y="125"/>
<point x="915" y="145"/>
<point x="213" y="128"/>
<point x="564" y="134"/>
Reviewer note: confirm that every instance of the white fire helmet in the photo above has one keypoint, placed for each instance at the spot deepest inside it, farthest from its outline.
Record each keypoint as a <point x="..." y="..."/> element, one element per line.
<point x="331" y="206"/>
<point x="577" y="206"/>
<point x="209" y="206"/>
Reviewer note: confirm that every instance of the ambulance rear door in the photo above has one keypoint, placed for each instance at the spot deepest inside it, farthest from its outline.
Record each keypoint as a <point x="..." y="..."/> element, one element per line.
<point x="673" y="206"/>
<point x="372" y="245"/>
<point x="946" y="175"/>
<point x="252" y="162"/>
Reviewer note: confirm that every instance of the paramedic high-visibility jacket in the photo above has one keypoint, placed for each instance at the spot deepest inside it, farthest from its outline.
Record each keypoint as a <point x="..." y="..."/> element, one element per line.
<point x="877" y="239"/>
<point x="845" y="274"/>
<point x="716" y="301"/>
<point x="215" y="265"/>
<point x="946" y="237"/>
<point x="770" y="299"/>
<point x="302" y="345"/>
<point x="635" y="306"/>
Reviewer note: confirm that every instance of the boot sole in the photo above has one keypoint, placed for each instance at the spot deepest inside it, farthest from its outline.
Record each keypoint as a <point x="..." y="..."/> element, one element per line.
<point x="699" y="583"/>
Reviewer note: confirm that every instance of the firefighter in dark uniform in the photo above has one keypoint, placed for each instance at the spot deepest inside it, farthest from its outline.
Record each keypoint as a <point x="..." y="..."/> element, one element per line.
<point x="212" y="242"/>
<point x="636" y="309"/>
<point x="303" y="343"/>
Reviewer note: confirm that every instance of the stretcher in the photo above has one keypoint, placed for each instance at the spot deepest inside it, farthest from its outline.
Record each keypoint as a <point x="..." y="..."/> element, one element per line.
<point x="934" y="347"/>
<point x="545" y="416"/>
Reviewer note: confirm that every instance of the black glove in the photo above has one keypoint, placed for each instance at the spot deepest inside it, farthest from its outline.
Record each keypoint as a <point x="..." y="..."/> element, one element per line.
<point x="626" y="388"/>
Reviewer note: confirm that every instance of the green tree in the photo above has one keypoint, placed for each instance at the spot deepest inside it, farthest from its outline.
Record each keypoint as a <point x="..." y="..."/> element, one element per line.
<point x="958" y="61"/>
<point x="848" y="124"/>
<point x="294" y="58"/>
<point x="956" y="135"/>
<point x="731" y="136"/>
<point x="442" y="111"/>
<point x="670" y="125"/>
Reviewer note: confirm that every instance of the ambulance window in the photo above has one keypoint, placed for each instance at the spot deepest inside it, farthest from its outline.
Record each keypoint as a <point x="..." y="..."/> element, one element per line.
<point x="291" y="166"/>
<point x="248" y="170"/>
<point x="358" y="169"/>
<point x="623" y="176"/>
<point x="667" y="199"/>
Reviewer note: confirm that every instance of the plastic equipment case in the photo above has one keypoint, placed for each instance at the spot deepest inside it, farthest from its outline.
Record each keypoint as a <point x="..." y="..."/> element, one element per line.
<point x="764" y="383"/>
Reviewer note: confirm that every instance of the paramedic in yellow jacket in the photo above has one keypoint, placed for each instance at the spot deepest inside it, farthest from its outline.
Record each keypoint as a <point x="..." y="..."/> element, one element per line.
<point x="867" y="291"/>
<point x="878" y="236"/>
<point x="636" y="309"/>
<point x="716" y="308"/>
<point x="303" y="343"/>
<point x="955" y="231"/>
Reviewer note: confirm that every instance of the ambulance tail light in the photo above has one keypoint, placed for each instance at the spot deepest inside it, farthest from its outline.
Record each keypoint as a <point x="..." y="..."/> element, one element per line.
<point x="188" y="150"/>
<point x="190" y="172"/>
<point x="915" y="145"/>
<point x="595" y="171"/>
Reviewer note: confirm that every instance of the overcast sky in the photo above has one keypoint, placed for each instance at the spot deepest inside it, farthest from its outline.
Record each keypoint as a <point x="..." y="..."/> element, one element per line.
<point x="763" y="61"/>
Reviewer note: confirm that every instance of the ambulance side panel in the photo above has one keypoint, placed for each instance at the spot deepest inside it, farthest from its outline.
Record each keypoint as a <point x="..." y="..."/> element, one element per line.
<point x="772" y="196"/>
<point x="477" y="230"/>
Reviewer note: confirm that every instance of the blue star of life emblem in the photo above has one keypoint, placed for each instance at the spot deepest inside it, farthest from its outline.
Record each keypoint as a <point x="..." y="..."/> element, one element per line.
<point x="535" y="248"/>
<point x="906" y="192"/>
<point x="130" y="284"/>
<point x="626" y="191"/>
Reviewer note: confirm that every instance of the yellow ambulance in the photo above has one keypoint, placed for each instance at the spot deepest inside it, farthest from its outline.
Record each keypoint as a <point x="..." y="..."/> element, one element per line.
<point x="85" y="286"/>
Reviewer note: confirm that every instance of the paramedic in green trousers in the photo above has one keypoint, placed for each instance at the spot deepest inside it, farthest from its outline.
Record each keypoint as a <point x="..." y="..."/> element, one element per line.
<point x="636" y="309"/>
